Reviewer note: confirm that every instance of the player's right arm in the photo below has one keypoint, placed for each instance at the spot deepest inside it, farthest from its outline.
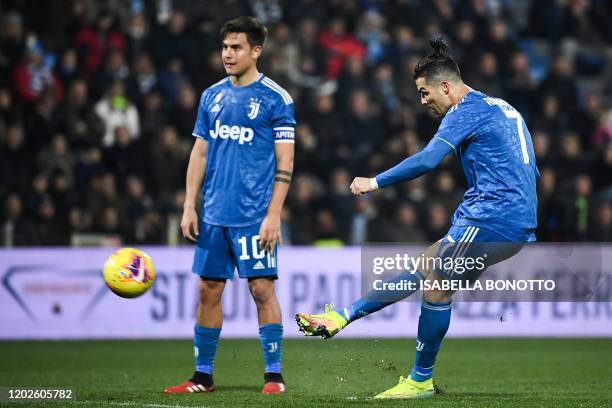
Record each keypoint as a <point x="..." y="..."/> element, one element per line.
<point x="454" y="129"/>
<point x="195" y="176"/>
<point x="424" y="161"/>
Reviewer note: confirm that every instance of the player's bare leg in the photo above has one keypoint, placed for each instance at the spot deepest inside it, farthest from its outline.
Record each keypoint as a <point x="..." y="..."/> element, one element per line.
<point x="270" y="332"/>
<point x="208" y="327"/>
<point x="209" y="307"/>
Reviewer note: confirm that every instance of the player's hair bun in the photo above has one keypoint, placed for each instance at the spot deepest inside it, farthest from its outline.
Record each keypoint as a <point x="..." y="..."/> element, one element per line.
<point x="439" y="46"/>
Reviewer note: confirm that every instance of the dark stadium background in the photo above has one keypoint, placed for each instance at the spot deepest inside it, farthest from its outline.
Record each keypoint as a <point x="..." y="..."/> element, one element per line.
<point x="97" y="104"/>
<point x="75" y="171"/>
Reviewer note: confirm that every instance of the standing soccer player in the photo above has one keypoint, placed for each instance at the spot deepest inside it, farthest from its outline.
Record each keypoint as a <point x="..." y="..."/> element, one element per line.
<point x="242" y="161"/>
<point x="497" y="215"/>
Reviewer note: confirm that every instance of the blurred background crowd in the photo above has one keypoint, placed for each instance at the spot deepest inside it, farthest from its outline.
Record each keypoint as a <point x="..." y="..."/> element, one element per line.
<point x="98" y="101"/>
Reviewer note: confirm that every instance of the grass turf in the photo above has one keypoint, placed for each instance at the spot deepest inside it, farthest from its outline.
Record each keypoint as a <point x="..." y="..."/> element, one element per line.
<point x="337" y="372"/>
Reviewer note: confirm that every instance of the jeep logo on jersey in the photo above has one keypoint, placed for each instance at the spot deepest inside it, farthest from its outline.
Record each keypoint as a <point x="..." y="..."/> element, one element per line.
<point x="254" y="109"/>
<point x="242" y="134"/>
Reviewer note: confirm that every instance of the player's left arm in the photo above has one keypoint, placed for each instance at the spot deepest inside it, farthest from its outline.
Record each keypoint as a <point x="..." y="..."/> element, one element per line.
<point x="269" y="233"/>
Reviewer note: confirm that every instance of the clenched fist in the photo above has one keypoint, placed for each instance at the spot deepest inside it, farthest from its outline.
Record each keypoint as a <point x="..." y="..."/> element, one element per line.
<point x="362" y="185"/>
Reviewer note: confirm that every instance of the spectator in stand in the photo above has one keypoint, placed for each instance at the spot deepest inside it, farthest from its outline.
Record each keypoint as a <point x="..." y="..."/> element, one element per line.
<point x="124" y="157"/>
<point x="116" y="110"/>
<point x="12" y="40"/>
<point x="57" y="158"/>
<point x="577" y="209"/>
<point x="571" y="159"/>
<point x="103" y="194"/>
<point x="14" y="154"/>
<point x="33" y="76"/>
<point x="603" y="133"/>
<point x="174" y="42"/>
<point x="363" y="130"/>
<point x="374" y="36"/>
<point x="445" y="192"/>
<point x="8" y="112"/>
<point x="466" y="49"/>
<point x="561" y="83"/>
<point x="339" y="45"/>
<point x="167" y="164"/>
<point x="521" y="86"/>
<point x="341" y="202"/>
<point x="143" y="79"/>
<point x="67" y="69"/>
<point x="41" y="123"/>
<point x="500" y="44"/>
<point x="15" y="226"/>
<point x="49" y="229"/>
<point x="154" y="115"/>
<point x="549" y="212"/>
<point x="172" y="78"/>
<point x="404" y="227"/>
<point x="185" y="109"/>
<point x="114" y="69"/>
<point x="94" y="41"/>
<point x="137" y="34"/>
<point x="549" y="118"/>
<point x="77" y="119"/>
<point x="601" y="227"/>
<point x="602" y="169"/>
<point x="486" y="78"/>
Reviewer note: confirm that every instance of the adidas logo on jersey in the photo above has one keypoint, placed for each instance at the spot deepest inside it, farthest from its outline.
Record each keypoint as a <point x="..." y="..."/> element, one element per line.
<point x="242" y="134"/>
<point x="259" y="265"/>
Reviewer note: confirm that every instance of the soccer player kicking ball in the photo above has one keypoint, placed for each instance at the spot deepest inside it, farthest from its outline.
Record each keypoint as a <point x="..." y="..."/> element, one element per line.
<point x="244" y="135"/>
<point x="494" y="147"/>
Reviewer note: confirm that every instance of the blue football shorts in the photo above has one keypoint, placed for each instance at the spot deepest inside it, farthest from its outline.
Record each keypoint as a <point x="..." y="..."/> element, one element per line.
<point x="466" y="252"/>
<point x="219" y="250"/>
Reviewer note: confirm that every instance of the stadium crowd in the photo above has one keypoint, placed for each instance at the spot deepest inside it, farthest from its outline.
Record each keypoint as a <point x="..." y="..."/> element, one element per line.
<point x="98" y="101"/>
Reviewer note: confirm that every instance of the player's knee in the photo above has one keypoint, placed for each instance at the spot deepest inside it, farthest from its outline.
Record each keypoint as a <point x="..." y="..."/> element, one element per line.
<point x="437" y="296"/>
<point x="210" y="291"/>
<point x="262" y="290"/>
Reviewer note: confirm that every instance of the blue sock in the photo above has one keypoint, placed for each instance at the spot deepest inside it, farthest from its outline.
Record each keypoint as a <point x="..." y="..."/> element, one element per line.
<point x="377" y="299"/>
<point x="271" y="338"/>
<point x="205" y="342"/>
<point x="433" y="324"/>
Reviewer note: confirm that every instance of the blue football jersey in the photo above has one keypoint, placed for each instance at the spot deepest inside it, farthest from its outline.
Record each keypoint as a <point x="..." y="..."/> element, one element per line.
<point x="242" y="125"/>
<point x="495" y="150"/>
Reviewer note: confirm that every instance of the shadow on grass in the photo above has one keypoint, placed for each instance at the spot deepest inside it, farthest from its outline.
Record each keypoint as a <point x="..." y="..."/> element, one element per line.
<point x="249" y="388"/>
<point x="478" y="395"/>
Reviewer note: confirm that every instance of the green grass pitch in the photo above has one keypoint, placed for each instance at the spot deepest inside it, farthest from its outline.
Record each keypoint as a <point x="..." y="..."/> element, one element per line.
<point x="332" y="373"/>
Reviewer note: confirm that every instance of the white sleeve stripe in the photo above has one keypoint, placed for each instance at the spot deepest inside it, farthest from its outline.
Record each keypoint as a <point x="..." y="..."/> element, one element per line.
<point x="275" y="87"/>
<point x="278" y="90"/>
<point x="196" y="135"/>
<point x="283" y="128"/>
<point x="270" y="82"/>
<point x="284" y="141"/>
<point x="445" y="141"/>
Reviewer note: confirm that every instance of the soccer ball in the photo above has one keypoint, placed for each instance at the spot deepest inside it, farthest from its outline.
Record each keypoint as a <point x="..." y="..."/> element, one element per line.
<point x="129" y="272"/>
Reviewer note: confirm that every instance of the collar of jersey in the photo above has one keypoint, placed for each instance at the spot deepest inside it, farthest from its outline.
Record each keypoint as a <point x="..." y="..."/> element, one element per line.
<point x="231" y="84"/>
<point x="455" y="106"/>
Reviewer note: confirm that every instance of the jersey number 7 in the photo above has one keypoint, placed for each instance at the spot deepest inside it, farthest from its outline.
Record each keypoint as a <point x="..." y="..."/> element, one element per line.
<point x="513" y="114"/>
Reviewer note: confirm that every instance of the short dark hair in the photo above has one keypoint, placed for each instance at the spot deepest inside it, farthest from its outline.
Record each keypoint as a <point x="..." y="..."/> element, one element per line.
<point x="255" y="31"/>
<point x="438" y="62"/>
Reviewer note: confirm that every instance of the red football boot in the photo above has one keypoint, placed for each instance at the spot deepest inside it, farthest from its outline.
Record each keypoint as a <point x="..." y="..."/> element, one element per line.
<point x="188" y="387"/>
<point x="274" y="388"/>
<point x="273" y="384"/>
